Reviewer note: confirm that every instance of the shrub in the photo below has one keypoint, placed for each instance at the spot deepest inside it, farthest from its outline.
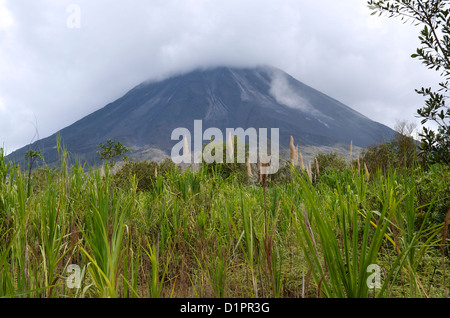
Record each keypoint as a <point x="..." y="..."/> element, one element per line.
<point x="225" y="169"/>
<point x="283" y="175"/>
<point x="144" y="171"/>
<point x="433" y="189"/>
<point x="381" y="156"/>
<point x="329" y="161"/>
<point x="399" y="153"/>
<point x="111" y="151"/>
<point x="40" y="177"/>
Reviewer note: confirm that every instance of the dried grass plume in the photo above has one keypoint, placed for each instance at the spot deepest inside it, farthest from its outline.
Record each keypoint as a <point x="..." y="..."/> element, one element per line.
<point x="302" y="164"/>
<point x="230" y="147"/>
<point x="292" y="151"/>
<point x="249" y="169"/>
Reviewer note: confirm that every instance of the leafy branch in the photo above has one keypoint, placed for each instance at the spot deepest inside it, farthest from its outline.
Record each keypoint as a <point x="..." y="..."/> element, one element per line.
<point x="434" y="53"/>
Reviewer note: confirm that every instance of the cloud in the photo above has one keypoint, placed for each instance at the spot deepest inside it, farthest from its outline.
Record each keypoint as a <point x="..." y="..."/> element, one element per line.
<point x="286" y="95"/>
<point x="6" y="19"/>
<point x="52" y="75"/>
<point x="2" y="106"/>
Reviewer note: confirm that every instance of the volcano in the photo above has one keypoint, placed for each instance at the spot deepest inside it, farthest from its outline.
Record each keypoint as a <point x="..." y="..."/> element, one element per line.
<point x="222" y="97"/>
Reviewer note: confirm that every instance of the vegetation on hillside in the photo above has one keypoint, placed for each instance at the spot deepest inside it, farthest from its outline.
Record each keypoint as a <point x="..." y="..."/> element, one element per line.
<point x="154" y="230"/>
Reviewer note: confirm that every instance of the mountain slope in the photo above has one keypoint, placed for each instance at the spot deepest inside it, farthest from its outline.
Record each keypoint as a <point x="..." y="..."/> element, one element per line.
<point x="223" y="97"/>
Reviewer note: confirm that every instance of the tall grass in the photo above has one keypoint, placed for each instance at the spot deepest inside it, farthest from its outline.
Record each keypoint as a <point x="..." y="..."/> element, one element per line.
<point x="196" y="234"/>
<point x="342" y="235"/>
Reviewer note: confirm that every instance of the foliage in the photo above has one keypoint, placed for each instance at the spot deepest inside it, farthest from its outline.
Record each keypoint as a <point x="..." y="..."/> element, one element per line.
<point x="400" y="153"/>
<point x="33" y="156"/>
<point x="328" y="162"/>
<point x="382" y="156"/>
<point x="225" y="168"/>
<point x="111" y="151"/>
<point x="283" y="175"/>
<point x="144" y="172"/>
<point x="434" y="15"/>
<point x="196" y="234"/>
<point x="436" y="146"/>
<point x="406" y="147"/>
<point x="42" y="176"/>
<point x="433" y="192"/>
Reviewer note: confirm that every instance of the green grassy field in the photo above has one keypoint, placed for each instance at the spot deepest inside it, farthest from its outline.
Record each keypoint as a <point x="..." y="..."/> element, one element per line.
<point x="198" y="234"/>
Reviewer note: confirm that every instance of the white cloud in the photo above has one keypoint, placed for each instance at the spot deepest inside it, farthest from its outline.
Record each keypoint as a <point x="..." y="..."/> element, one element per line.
<point x="6" y="18"/>
<point x="59" y="75"/>
<point x="2" y="106"/>
<point x="286" y="95"/>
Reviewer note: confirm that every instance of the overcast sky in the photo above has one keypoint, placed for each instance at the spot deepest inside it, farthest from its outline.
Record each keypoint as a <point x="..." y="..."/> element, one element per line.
<point x="54" y="71"/>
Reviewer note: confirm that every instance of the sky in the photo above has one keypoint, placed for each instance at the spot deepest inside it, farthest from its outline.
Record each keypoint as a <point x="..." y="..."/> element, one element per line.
<point x="61" y="60"/>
